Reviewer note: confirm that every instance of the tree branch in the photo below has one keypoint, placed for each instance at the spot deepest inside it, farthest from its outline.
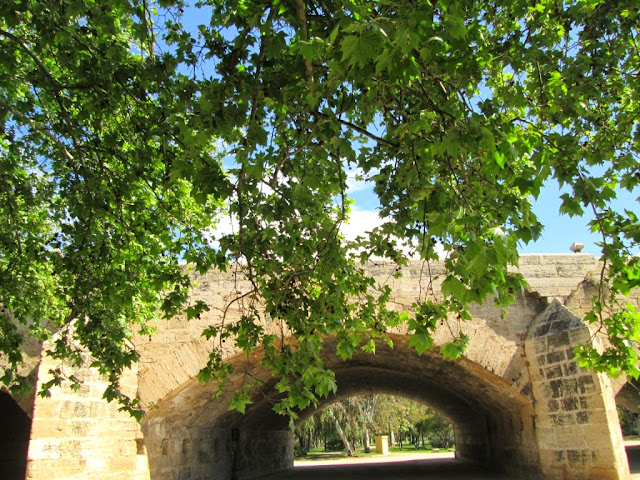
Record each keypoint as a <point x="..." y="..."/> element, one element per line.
<point x="302" y="18"/>
<point x="32" y="123"/>
<point x="358" y="129"/>
<point x="274" y="180"/>
<point x="259" y="62"/>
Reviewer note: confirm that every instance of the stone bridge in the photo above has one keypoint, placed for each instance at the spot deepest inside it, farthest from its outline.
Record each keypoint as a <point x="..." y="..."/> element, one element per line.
<point x="518" y="400"/>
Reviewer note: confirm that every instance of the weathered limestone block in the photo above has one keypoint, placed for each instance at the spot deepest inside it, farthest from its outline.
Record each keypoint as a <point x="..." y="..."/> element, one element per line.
<point x="555" y="276"/>
<point x="576" y="419"/>
<point x="80" y="436"/>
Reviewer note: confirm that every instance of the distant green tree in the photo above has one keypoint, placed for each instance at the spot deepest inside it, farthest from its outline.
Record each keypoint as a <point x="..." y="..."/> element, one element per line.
<point x="438" y="430"/>
<point x="305" y="435"/>
<point x="628" y="422"/>
<point x="345" y="422"/>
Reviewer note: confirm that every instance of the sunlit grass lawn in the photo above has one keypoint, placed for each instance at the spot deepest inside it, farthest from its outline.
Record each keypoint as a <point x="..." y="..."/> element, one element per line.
<point x="318" y="453"/>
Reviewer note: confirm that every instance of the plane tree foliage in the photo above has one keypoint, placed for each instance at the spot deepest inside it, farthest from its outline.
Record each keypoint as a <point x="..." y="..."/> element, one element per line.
<point x="132" y="128"/>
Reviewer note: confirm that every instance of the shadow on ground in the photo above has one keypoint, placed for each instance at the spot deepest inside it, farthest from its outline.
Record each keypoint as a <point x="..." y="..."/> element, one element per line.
<point x="423" y="469"/>
<point x="436" y="468"/>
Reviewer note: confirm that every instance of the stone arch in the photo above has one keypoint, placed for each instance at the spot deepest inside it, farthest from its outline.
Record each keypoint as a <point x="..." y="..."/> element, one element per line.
<point x="493" y="421"/>
<point x="518" y="400"/>
<point x="173" y="357"/>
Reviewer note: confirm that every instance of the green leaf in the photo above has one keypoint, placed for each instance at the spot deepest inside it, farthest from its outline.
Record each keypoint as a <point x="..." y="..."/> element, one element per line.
<point x="499" y="158"/>
<point x="386" y="61"/>
<point x="240" y="400"/>
<point x="420" y="341"/>
<point x="455" y="26"/>
<point x="326" y="383"/>
<point x="369" y="347"/>
<point x="345" y="349"/>
<point x="356" y="50"/>
<point x="196" y="310"/>
<point x="454" y="349"/>
<point x="453" y="287"/>
<point x="498" y="235"/>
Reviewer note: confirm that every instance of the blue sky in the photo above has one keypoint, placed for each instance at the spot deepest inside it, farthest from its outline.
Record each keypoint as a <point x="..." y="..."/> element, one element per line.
<point x="560" y="231"/>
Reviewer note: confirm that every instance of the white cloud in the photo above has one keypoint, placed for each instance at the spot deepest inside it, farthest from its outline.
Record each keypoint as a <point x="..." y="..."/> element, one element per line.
<point x="356" y="181"/>
<point x="360" y="222"/>
<point x="363" y="221"/>
<point x="225" y="224"/>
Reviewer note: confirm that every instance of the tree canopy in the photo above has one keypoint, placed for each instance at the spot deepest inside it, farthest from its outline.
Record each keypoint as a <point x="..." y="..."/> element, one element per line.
<point x="131" y="128"/>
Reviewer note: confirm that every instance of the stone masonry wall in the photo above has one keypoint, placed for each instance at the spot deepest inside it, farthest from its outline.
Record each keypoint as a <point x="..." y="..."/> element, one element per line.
<point x="80" y="436"/>
<point x="202" y="452"/>
<point x="576" y="419"/>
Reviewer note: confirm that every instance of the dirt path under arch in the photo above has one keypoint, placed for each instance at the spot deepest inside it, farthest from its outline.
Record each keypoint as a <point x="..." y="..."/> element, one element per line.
<point x="409" y="466"/>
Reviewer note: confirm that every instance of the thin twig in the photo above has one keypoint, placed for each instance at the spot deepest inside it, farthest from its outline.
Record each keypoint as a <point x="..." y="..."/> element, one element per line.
<point x="38" y="128"/>
<point x="358" y="129"/>
<point x="288" y="155"/>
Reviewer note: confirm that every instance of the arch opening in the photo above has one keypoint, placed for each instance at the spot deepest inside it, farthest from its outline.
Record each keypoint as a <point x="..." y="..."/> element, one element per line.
<point x="628" y="406"/>
<point x="493" y="422"/>
<point x="357" y="425"/>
